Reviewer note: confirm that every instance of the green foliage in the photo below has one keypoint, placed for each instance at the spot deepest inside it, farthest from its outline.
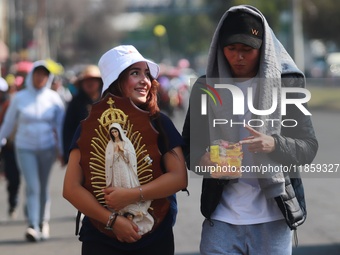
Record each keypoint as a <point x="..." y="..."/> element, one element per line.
<point x="189" y="33"/>
<point x="321" y="19"/>
<point x="271" y="9"/>
<point x="325" y="98"/>
<point x="186" y="35"/>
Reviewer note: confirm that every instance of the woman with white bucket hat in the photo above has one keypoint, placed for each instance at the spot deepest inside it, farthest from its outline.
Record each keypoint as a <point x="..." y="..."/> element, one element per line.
<point x="126" y="73"/>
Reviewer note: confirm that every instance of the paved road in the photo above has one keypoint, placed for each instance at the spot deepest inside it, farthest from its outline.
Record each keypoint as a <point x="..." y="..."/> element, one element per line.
<point x="320" y="235"/>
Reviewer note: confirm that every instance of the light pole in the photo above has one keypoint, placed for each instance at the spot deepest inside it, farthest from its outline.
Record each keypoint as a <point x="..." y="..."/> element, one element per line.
<point x="160" y="32"/>
<point x="298" y="35"/>
<point x="40" y="31"/>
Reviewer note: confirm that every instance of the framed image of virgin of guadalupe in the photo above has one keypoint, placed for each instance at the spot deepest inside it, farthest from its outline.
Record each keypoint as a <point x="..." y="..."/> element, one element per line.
<point x="118" y="146"/>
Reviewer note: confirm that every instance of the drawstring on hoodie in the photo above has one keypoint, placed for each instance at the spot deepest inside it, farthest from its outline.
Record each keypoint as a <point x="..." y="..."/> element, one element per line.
<point x="296" y="240"/>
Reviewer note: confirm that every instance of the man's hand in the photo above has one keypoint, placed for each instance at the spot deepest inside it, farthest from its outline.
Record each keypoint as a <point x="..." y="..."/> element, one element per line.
<point x="205" y="160"/>
<point x="258" y="142"/>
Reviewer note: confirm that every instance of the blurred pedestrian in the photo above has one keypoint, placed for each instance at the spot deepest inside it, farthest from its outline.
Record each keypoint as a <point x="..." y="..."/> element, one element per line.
<point x="89" y="86"/>
<point x="21" y="70"/>
<point x="8" y="154"/>
<point x="126" y="73"/>
<point x="255" y="213"/>
<point x="37" y="113"/>
<point x="64" y="93"/>
<point x="12" y="85"/>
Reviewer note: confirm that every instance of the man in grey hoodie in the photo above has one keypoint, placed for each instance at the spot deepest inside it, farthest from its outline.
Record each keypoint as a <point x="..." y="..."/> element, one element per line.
<point x="253" y="214"/>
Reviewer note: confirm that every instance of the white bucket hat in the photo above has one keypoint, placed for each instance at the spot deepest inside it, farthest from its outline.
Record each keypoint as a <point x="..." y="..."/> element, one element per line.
<point x="116" y="60"/>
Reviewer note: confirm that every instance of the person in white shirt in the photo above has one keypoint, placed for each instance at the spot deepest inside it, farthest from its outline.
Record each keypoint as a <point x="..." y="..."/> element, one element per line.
<point x="37" y="114"/>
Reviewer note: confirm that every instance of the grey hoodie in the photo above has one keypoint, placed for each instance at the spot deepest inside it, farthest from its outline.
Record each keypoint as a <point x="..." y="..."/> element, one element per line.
<point x="274" y="62"/>
<point x="36" y="114"/>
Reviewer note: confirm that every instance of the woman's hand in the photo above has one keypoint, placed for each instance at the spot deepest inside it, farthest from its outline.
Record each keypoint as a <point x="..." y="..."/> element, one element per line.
<point x="120" y="147"/>
<point x="258" y="142"/>
<point x="126" y="230"/>
<point x="117" y="198"/>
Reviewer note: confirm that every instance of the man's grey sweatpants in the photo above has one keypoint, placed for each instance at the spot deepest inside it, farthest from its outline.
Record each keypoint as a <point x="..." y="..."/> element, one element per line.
<point x="272" y="238"/>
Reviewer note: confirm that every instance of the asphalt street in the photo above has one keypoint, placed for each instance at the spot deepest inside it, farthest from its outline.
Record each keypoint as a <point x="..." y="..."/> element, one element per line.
<point x="320" y="235"/>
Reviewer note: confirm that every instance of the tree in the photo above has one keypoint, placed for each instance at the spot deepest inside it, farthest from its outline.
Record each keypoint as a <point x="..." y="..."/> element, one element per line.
<point x="68" y="31"/>
<point x="85" y="29"/>
<point x="270" y="9"/>
<point x="190" y="30"/>
<point x="321" y="19"/>
<point x="187" y="34"/>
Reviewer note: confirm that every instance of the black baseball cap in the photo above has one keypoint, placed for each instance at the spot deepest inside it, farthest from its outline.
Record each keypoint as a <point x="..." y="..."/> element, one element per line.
<point x="241" y="27"/>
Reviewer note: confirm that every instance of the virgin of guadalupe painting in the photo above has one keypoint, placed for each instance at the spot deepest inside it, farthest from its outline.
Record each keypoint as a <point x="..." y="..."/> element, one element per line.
<point x="118" y="151"/>
<point x="121" y="171"/>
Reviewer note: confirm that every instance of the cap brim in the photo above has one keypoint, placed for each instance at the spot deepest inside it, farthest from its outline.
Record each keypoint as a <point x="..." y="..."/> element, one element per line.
<point x="41" y="67"/>
<point x="244" y="39"/>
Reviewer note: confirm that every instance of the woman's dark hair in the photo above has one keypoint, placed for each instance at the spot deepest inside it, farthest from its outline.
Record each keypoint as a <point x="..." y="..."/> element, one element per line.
<point x="151" y="104"/>
<point x="112" y="137"/>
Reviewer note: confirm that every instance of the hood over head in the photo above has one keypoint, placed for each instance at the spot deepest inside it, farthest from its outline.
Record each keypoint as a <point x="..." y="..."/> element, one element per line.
<point x="29" y="78"/>
<point x="274" y="62"/>
<point x="273" y="54"/>
<point x="120" y="129"/>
